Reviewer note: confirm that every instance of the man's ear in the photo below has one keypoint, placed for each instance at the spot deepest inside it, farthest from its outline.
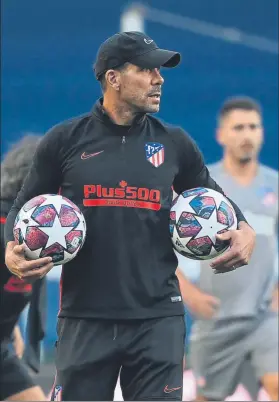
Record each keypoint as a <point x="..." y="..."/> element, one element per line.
<point x="219" y="136"/>
<point x="113" y="79"/>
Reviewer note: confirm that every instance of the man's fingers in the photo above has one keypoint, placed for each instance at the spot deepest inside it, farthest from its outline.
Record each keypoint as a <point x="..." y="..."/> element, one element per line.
<point x="35" y="264"/>
<point x="208" y="307"/>
<point x="224" y="236"/>
<point x="208" y="312"/>
<point x="37" y="273"/>
<point x="233" y="263"/>
<point x="228" y="267"/>
<point x="223" y="259"/>
<point x="46" y="271"/>
<point x="19" y="249"/>
<point x="214" y="301"/>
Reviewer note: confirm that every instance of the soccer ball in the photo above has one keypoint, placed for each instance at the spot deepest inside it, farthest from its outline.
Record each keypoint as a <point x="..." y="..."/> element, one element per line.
<point x="50" y="226"/>
<point x="196" y="216"/>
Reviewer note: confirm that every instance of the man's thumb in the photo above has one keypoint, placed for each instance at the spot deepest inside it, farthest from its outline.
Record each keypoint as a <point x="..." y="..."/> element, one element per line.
<point x="19" y="249"/>
<point x="224" y="236"/>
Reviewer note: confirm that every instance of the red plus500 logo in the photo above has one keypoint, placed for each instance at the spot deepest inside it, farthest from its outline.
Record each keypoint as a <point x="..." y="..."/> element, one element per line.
<point x="123" y="196"/>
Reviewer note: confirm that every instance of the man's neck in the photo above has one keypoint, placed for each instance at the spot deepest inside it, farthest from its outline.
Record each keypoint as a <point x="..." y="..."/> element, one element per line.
<point x="119" y="113"/>
<point x="243" y="173"/>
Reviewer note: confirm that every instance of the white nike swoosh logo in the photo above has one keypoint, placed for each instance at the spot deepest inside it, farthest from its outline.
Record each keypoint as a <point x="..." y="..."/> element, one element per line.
<point x="87" y="156"/>
<point x="148" y="41"/>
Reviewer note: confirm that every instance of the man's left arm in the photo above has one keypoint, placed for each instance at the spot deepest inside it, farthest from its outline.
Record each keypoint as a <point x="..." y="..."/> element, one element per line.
<point x="275" y="294"/>
<point x="193" y="173"/>
<point x="18" y="342"/>
<point x="275" y="299"/>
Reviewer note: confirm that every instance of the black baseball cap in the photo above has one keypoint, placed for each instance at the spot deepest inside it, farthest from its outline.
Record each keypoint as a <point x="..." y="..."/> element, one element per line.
<point x="133" y="47"/>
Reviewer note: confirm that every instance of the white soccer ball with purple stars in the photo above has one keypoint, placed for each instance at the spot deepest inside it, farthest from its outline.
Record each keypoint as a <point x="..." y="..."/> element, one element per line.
<point x="50" y="226"/>
<point x="196" y="216"/>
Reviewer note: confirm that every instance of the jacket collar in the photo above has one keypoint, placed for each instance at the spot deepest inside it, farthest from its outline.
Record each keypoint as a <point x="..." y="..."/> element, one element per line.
<point x="102" y="115"/>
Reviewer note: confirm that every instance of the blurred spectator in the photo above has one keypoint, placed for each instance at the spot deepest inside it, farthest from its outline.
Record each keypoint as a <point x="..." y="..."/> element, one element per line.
<point x="235" y="318"/>
<point x="15" y="383"/>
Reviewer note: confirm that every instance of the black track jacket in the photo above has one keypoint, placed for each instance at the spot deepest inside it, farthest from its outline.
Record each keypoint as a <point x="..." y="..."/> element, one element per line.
<point x="122" y="179"/>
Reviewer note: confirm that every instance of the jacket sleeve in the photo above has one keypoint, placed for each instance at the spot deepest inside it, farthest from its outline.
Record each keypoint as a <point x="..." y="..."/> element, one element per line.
<point x="44" y="176"/>
<point x="192" y="171"/>
<point x="36" y="325"/>
<point x="2" y="242"/>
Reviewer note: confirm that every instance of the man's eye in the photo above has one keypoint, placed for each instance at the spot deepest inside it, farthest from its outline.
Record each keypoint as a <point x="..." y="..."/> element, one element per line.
<point x="239" y="127"/>
<point x="251" y="126"/>
<point x="254" y="126"/>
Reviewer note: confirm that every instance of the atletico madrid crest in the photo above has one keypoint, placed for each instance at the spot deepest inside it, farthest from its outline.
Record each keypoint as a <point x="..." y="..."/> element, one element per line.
<point x="155" y="153"/>
<point x="269" y="197"/>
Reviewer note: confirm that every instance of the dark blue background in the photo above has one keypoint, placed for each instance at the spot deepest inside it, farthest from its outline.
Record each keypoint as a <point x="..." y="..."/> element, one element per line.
<point x="48" y="49"/>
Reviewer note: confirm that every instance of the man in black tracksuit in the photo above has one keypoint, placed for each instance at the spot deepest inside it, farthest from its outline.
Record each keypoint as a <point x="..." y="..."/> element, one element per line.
<point x="120" y="304"/>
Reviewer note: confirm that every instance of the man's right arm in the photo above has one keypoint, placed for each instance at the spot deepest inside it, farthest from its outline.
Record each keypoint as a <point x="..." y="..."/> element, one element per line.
<point x="44" y="177"/>
<point x="199" y="303"/>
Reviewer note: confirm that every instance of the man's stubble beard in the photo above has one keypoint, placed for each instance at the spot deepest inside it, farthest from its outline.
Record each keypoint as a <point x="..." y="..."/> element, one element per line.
<point x="245" y="160"/>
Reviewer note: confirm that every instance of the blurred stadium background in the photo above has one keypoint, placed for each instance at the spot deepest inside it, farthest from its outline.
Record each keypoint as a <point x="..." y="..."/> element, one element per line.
<point x="229" y="47"/>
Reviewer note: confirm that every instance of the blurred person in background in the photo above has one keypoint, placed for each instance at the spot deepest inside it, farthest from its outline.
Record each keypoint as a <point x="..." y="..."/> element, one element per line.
<point x="121" y="308"/>
<point x="15" y="381"/>
<point x="237" y="312"/>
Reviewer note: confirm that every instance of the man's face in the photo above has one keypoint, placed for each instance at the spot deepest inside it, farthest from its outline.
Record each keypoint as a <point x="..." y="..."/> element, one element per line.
<point x="241" y="134"/>
<point x="141" y="88"/>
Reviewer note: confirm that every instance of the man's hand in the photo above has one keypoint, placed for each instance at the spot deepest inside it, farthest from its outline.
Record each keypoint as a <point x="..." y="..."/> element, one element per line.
<point x="242" y="243"/>
<point x="24" y="269"/>
<point x="200" y="304"/>
<point x="18" y="342"/>
<point x="203" y="305"/>
<point x="275" y="300"/>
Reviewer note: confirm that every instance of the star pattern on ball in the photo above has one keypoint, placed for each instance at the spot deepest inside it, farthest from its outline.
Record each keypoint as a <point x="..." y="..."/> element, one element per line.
<point x="56" y="233"/>
<point x="189" y="208"/>
<point x="27" y="222"/>
<point x="208" y="224"/>
<point x="67" y="256"/>
<point x="55" y="201"/>
<point x="80" y="226"/>
<point x="200" y="214"/>
<point x="50" y="225"/>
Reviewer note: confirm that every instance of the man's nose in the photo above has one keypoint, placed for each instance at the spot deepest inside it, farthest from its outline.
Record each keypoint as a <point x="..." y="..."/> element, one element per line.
<point x="157" y="78"/>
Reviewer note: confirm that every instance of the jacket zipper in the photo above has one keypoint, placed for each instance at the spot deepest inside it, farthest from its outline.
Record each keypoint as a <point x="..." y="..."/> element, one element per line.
<point x="123" y="142"/>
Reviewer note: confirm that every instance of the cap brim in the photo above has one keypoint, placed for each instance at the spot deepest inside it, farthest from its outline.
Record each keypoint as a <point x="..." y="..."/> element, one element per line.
<point x="157" y="58"/>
